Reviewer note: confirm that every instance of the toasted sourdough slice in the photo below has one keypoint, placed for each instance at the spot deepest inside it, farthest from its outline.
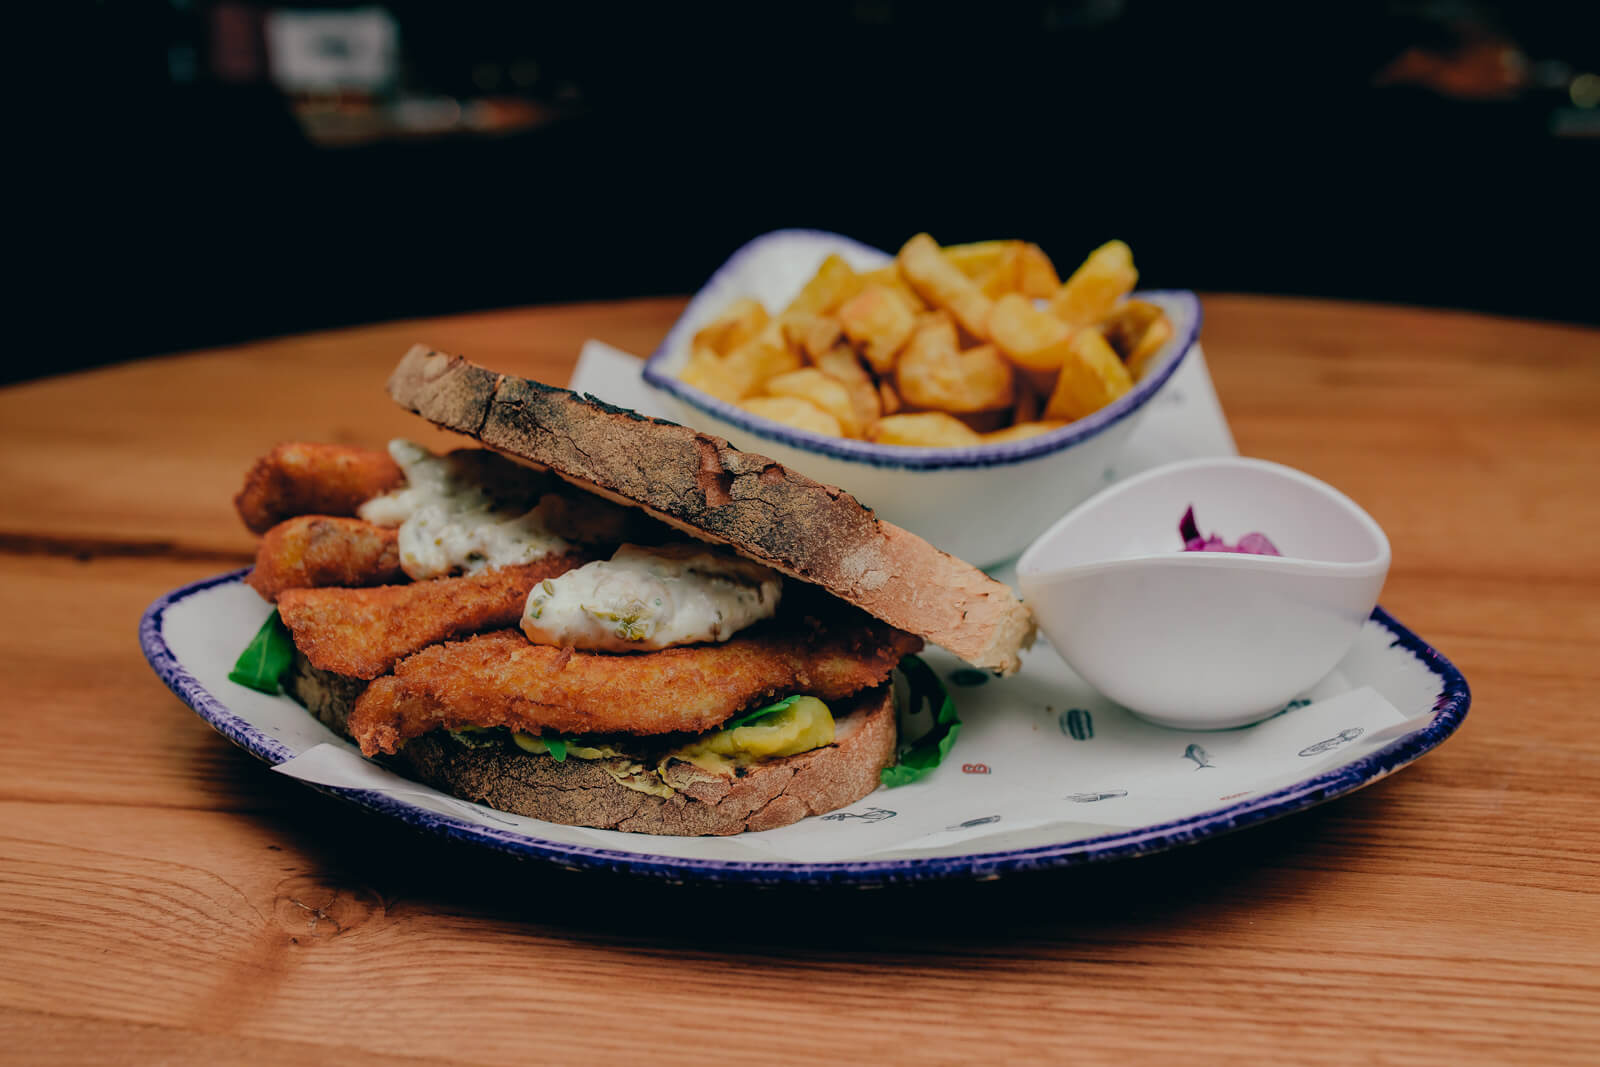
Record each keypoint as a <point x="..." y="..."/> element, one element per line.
<point x="579" y="792"/>
<point x="702" y="485"/>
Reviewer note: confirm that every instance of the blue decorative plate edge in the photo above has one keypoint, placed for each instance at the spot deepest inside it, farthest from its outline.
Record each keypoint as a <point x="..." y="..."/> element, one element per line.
<point x="919" y="459"/>
<point x="1449" y="711"/>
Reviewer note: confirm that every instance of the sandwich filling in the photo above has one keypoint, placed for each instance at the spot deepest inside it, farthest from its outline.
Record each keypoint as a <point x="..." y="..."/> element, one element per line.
<point x="646" y="599"/>
<point x="661" y="656"/>
<point x="473" y="510"/>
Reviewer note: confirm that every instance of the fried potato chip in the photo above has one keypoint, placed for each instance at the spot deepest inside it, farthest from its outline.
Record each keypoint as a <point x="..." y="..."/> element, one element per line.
<point x="811" y="335"/>
<point x="1032" y="339"/>
<point x="925" y="429"/>
<point x="888" y="399"/>
<point x="822" y="392"/>
<point x="758" y="359"/>
<point x="1036" y="275"/>
<point x="1091" y="377"/>
<point x="709" y="373"/>
<point x="941" y="284"/>
<point x="1154" y="340"/>
<point x="934" y="373"/>
<point x="1021" y="431"/>
<point x="1001" y="277"/>
<point x="980" y="258"/>
<point x="1137" y="329"/>
<point x="890" y="278"/>
<point x="738" y="324"/>
<point x="1105" y="277"/>
<point x="792" y="411"/>
<point x="879" y="322"/>
<point x="843" y="365"/>
<point x="984" y="421"/>
<point x="833" y="284"/>
<point x="1027" y="400"/>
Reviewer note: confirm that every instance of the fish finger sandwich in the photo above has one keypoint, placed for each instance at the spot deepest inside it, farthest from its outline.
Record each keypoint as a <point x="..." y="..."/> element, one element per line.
<point x="597" y="618"/>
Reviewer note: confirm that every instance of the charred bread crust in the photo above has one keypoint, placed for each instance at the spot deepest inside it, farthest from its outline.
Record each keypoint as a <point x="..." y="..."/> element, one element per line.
<point x="703" y="486"/>
<point x="579" y="792"/>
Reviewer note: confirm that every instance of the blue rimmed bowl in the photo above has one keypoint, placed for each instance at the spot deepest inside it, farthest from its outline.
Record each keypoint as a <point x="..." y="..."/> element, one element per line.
<point x="983" y="503"/>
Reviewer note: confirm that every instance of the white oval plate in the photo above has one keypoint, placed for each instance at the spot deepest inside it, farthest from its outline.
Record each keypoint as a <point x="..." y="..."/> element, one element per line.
<point x="1046" y="772"/>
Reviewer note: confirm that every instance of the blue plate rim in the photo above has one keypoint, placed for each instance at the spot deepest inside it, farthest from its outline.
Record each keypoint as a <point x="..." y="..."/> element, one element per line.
<point x="1449" y="710"/>
<point x="921" y="459"/>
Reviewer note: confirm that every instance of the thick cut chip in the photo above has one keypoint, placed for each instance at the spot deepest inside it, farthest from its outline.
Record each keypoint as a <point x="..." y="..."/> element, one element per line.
<point x="738" y="324"/>
<point x="1032" y="339"/>
<point x="833" y="284"/>
<point x="1091" y="377"/>
<point x="1036" y="275"/>
<point x="1001" y="278"/>
<point x="1021" y="268"/>
<point x="500" y="679"/>
<point x="980" y="258"/>
<point x="811" y="335"/>
<point x="889" y="277"/>
<point x="1021" y="431"/>
<point x="878" y="321"/>
<point x="943" y="285"/>
<point x="1028" y="400"/>
<point x="1137" y="329"/>
<point x="362" y="633"/>
<point x="933" y="373"/>
<point x="1105" y="277"/>
<point x="316" y="550"/>
<point x="709" y="373"/>
<point x="819" y="390"/>
<point x="792" y="411"/>
<point x="312" y="479"/>
<point x="888" y="399"/>
<point x="925" y="429"/>
<point x="843" y="365"/>
<point x="765" y="355"/>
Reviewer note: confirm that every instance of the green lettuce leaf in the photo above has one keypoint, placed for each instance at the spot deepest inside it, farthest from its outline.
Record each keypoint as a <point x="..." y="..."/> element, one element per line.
<point x="929" y="750"/>
<point x="759" y="713"/>
<point x="266" y="657"/>
<point x="556" y="746"/>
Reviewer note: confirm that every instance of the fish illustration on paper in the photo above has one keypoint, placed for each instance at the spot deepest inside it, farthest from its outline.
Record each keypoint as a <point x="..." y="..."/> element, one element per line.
<point x="1090" y="798"/>
<point x="970" y="823"/>
<point x="1202" y="758"/>
<point x="870" y="815"/>
<point x="1343" y="737"/>
<point x="1077" y="724"/>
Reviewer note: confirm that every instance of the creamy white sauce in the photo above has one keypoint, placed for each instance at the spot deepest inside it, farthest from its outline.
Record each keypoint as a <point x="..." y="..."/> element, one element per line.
<point x="644" y="599"/>
<point x="474" y="511"/>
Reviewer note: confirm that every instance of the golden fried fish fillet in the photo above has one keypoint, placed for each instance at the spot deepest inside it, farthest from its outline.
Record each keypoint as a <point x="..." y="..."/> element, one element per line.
<point x="500" y="679"/>
<point x="313" y="479"/>
<point x="364" y="632"/>
<point x="315" y="550"/>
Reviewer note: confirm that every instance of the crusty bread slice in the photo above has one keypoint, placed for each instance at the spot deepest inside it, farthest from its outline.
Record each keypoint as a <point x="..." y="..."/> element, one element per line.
<point x="769" y="794"/>
<point x="703" y="486"/>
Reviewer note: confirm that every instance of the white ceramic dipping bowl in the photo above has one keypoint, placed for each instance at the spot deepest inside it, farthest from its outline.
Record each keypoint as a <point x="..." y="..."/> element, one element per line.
<point x="984" y="503"/>
<point x="1206" y="640"/>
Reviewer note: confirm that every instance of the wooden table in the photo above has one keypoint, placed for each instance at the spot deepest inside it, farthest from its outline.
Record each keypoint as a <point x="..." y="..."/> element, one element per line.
<point x="167" y="898"/>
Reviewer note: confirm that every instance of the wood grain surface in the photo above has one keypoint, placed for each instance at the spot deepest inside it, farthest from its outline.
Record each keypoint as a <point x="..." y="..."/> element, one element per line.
<point x="167" y="899"/>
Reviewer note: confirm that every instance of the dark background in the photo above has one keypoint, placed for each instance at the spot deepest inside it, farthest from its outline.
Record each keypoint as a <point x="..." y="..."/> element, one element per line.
<point x="1430" y="154"/>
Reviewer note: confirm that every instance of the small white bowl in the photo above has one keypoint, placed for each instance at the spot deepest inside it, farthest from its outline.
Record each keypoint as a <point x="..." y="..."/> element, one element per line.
<point x="983" y="503"/>
<point x="1206" y="640"/>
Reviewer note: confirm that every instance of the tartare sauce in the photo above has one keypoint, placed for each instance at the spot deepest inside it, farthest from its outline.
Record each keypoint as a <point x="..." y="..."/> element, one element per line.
<point x="468" y="512"/>
<point x="645" y="599"/>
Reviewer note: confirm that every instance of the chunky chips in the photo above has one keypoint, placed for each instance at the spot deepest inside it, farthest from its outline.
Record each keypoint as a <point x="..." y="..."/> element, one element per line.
<point x="943" y="348"/>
